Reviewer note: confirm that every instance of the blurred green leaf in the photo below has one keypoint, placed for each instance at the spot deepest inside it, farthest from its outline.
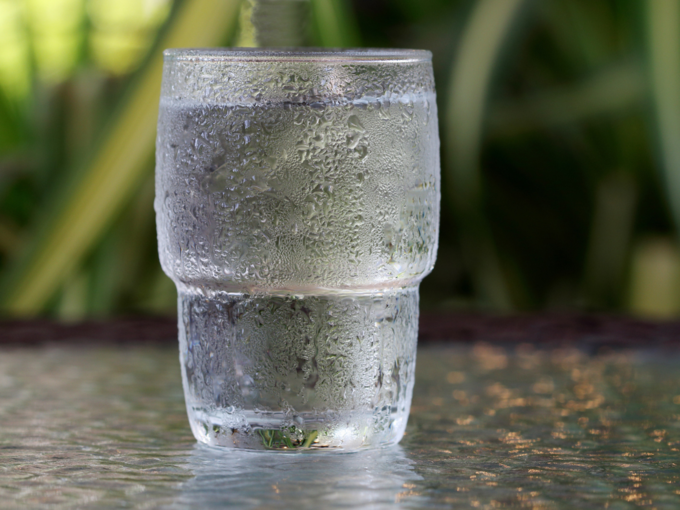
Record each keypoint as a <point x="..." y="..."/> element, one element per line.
<point x="335" y="24"/>
<point x="655" y="278"/>
<point x="610" y="90"/>
<point x="610" y="239"/>
<point x="484" y="38"/>
<point x="114" y="171"/>
<point x="11" y="124"/>
<point x="9" y="236"/>
<point x="663" y="45"/>
<point x="73" y="302"/>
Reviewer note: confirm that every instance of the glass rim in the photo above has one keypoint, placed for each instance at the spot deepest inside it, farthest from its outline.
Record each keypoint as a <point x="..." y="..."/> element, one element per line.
<point x="307" y="54"/>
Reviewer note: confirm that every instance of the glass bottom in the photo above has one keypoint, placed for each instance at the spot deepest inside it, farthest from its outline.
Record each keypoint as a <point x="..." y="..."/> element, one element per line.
<point x="343" y="431"/>
<point x="299" y="372"/>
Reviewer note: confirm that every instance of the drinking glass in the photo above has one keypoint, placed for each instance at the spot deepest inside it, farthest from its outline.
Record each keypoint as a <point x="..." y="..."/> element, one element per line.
<point x="297" y="205"/>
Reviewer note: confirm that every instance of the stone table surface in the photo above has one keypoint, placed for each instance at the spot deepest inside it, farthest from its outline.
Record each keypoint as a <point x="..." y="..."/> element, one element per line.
<point x="493" y="425"/>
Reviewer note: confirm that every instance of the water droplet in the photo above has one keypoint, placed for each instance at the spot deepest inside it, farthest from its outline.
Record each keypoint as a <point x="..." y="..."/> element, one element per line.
<point x="354" y="123"/>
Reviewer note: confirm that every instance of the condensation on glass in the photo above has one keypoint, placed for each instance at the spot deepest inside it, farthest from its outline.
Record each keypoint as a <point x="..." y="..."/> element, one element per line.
<point x="297" y="202"/>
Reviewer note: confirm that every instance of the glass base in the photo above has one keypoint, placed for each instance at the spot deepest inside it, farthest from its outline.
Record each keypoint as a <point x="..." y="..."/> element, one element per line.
<point x="272" y="431"/>
<point x="299" y="372"/>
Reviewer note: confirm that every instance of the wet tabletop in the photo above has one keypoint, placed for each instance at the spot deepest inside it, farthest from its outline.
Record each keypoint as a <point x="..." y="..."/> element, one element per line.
<point x="518" y="426"/>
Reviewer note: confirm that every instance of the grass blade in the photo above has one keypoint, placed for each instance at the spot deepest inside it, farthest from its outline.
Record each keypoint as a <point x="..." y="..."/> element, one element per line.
<point x="473" y="70"/>
<point x="663" y="41"/>
<point x="334" y="24"/>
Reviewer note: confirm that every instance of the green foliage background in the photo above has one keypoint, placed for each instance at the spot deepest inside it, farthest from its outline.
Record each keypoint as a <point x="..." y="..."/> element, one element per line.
<point x="559" y="120"/>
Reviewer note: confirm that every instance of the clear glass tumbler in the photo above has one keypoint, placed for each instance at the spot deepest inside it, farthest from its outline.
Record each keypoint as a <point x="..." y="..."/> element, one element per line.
<point x="297" y="204"/>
